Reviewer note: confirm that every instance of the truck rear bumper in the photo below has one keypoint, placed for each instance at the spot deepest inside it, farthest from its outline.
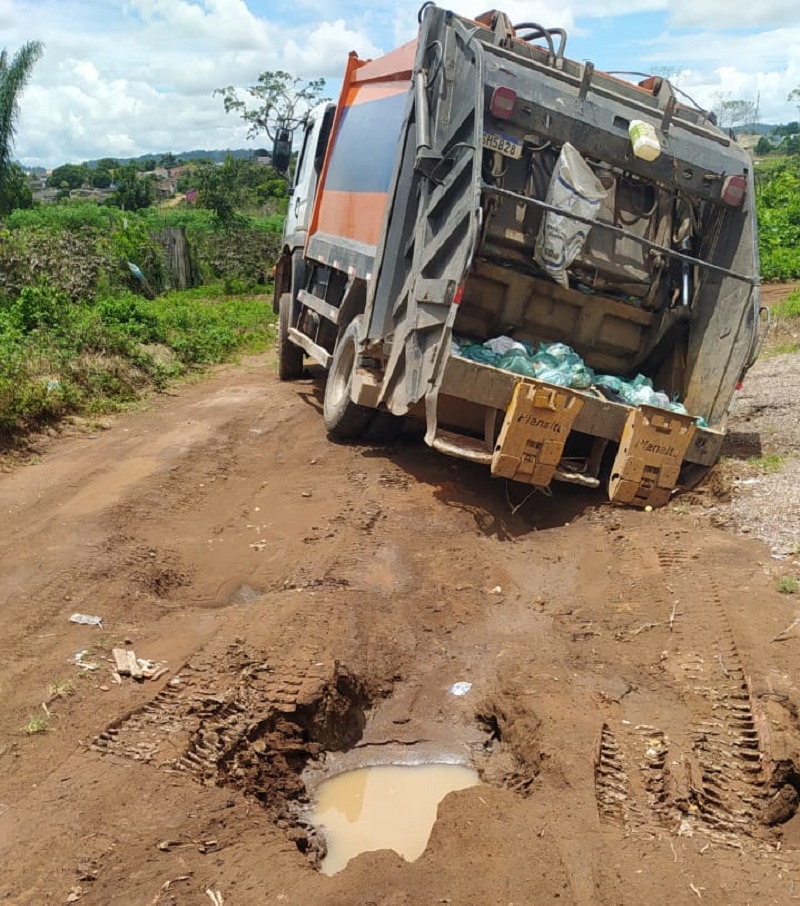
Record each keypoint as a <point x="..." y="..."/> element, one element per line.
<point x="652" y="442"/>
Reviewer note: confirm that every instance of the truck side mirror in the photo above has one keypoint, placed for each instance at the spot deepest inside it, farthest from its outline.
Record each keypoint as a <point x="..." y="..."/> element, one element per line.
<point x="282" y="150"/>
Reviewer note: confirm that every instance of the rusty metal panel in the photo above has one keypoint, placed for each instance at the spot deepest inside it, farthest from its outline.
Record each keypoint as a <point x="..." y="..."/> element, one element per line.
<point x="535" y="429"/>
<point x="652" y="449"/>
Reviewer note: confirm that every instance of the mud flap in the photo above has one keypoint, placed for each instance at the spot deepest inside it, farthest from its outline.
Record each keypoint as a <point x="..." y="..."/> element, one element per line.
<point x="537" y="424"/>
<point x="651" y="451"/>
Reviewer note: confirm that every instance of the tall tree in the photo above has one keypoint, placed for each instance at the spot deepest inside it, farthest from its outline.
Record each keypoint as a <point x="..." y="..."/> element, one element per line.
<point x="132" y="192"/>
<point x="16" y="192"/>
<point x="279" y="100"/>
<point x="15" y="72"/>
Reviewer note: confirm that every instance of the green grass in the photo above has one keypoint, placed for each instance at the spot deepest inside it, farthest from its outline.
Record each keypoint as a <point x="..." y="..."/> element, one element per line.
<point x="769" y="463"/>
<point x="61" y="689"/>
<point x="37" y="723"/>
<point x="788" y="310"/>
<point x="788" y="585"/>
<point x="780" y="349"/>
<point x="58" y="358"/>
<point x="778" y="213"/>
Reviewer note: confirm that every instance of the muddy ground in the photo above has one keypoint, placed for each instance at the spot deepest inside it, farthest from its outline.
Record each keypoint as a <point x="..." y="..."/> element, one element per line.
<point x="634" y="701"/>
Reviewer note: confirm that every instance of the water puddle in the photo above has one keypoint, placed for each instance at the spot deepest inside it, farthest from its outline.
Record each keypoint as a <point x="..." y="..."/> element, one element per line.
<point x="384" y="807"/>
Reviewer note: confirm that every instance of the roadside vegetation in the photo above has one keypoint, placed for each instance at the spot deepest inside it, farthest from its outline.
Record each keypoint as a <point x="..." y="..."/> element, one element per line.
<point x="90" y="318"/>
<point x="105" y="297"/>
<point x="778" y="207"/>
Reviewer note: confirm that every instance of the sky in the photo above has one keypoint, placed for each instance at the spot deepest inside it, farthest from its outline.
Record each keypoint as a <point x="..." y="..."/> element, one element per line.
<point x="121" y="78"/>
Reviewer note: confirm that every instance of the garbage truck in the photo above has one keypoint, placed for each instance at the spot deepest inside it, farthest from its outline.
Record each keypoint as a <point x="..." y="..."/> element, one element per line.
<point x="554" y="269"/>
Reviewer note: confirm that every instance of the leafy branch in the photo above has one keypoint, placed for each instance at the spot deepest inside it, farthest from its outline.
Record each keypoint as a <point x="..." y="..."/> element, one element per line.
<point x="278" y="100"/>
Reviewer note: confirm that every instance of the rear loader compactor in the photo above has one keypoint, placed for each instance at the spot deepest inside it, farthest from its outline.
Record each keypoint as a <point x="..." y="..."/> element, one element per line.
<point x="555" y="269"/>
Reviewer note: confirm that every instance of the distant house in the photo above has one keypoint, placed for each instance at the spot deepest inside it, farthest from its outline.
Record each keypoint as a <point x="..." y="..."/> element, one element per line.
<point x="165" y="188"/>
<point x="87" y="193"/>
<point x="170" y="172"/>
<point x="45" y="196"/>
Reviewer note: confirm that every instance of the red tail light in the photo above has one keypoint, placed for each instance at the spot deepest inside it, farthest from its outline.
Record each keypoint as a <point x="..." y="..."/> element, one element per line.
<point x="502" y="103"/>
<point x="733" y="190"/>
<point x="458" y="295"/>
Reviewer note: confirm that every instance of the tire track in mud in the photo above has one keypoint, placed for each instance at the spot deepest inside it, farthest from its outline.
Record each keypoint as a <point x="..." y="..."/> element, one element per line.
<point x="714" y="778"/>
<point x="250" y="716"/>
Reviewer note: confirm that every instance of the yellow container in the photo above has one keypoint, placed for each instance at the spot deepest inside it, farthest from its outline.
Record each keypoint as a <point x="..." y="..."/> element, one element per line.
<point x="644" y="140"/>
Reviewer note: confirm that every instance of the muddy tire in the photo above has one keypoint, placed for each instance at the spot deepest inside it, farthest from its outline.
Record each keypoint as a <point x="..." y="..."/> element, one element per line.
<point x="343" y="418"/>
<point x="290" y="357"/>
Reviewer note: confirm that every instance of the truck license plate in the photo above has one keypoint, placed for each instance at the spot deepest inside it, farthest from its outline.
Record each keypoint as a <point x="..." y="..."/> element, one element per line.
<point x="508" y="147"/>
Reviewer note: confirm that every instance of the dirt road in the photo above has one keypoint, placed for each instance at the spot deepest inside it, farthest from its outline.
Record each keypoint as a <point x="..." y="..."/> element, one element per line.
<point x="634" y="723"/>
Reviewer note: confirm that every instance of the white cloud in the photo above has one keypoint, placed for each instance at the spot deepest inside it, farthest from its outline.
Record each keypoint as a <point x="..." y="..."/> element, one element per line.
<point x="762" y="67"/>
<point x="228" y="23"/>
<point x="124" y="77"/>
<point x="323" y="52"/>
<point x="715" y="14"/>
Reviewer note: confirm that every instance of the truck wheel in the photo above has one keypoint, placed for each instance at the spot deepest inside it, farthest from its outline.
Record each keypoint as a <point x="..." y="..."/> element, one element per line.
<point x="343" y="418"/>
<point x="385" y="428"/>
<point x="290" y="357"/>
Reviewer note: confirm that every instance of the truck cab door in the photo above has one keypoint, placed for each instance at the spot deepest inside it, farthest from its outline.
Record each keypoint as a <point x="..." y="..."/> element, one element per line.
<point x="309" y="166"/>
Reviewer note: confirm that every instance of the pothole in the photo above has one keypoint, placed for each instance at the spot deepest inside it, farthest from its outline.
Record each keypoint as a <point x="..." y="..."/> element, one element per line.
<point x="239" y="720"/>
<point x="383" y="807"/>
<point x="276" y="731"/>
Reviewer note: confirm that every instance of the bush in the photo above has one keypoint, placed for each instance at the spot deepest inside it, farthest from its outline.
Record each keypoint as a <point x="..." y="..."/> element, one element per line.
<point x="73" y="263"/>
<point x="789" y="309"/>
<point x="58" y="357"/>
<point x="84" y="249"/>
<point x="778" y="209"/>
<point x="74" y="338"/>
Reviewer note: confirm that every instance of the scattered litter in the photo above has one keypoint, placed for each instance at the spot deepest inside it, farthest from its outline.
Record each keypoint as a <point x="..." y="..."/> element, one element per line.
<point x="791" y="631"/>
<point x="127" y="664"/>
<point x="460" y="688"/>
<point x="215" y="896"/>
<point x="88" y="870"/>
<point x="306" y="494"/>
<point x="75" y="894"/>
<point x="104" y="688"/>
<point x="672" y="615"/>
<point x="165" y="887"/>
<point x="685" y="830"/>
<point x="203" y="846"/>
<point x="86" y="619"/>
<point x="78" y="658"/>
<point x="497" y="590"/>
